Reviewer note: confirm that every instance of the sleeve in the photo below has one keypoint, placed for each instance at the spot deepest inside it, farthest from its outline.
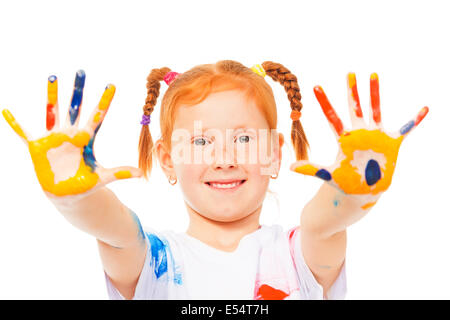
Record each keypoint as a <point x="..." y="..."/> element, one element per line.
<point x="155" y="259"/>
<point x="309" y="287"/>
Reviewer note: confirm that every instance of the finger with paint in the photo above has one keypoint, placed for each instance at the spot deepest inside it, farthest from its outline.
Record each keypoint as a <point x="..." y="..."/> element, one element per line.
<point x="367" y="154"/>
<point x="64" y="159"/>
<point x="52" y="112"/>
<point x="412" y="124"/>
<point x="375" y="119"/>
<point x="356" y="114"/>
<point x="73" y="116"/>
<point x="15" y="125"/>
<point x="329" y="112"/>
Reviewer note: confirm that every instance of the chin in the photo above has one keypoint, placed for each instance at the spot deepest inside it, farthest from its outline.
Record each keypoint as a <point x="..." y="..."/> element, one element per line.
<point x="228" y="214"/>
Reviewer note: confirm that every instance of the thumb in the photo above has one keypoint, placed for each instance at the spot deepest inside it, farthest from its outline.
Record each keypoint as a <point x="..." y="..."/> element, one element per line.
<point x="119" y="173"/>
<point x="310" y="169"/>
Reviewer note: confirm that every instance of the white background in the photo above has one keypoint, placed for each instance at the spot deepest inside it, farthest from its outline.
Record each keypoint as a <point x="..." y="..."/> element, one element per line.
<point x="400" y="250"/>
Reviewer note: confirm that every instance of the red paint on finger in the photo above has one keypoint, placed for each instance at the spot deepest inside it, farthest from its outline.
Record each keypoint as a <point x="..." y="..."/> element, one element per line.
<point x="50" y="116"/>
<point x="421" y="115"/>
<point x="328" y="110"/>
<point x="354" y="92"/>
<point x="375" y="97"/>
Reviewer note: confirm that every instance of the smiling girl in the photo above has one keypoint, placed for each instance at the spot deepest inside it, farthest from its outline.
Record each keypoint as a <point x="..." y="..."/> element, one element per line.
<point x="219" y="141"/>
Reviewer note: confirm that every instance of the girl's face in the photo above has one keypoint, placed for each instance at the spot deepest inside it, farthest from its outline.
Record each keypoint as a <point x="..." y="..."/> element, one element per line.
<point x="223" y="154"/>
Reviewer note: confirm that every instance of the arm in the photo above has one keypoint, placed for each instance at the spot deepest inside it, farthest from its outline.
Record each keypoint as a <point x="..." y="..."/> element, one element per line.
<point x="75" y="182"/>
<point x="362" y="172"/>
<point x="119" y="235"/>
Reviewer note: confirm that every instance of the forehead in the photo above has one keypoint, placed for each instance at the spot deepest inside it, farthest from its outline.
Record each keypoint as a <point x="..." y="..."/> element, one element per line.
<point x="222" y="110"/>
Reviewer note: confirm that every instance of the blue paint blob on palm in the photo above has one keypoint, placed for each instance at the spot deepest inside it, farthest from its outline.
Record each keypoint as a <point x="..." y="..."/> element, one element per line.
<point x="323" y="174"/>
<point x="407" y="127"/>
<point x="77" y="96"/>
<point x="373" y="172"/>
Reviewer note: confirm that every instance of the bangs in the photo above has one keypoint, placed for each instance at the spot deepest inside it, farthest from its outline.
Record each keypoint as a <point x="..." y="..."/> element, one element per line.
<point x="199" y="89"/>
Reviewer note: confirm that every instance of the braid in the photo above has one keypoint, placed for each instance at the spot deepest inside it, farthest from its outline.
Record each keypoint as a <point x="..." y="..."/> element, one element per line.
<point x="145" y="140"/>
<point x="288" y="80"/>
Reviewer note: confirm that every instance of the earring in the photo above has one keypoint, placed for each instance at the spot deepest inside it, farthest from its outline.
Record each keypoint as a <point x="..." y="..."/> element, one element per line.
<point x="272" y="177"/>
<point x="172" y="182"/>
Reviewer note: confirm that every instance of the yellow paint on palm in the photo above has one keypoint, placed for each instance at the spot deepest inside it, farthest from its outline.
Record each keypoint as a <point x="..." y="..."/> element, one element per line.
<point x="83" y="180"/>
<point x="13" y="123"/>
<point x="347" y="176"/>
<point x="123" y="174"/>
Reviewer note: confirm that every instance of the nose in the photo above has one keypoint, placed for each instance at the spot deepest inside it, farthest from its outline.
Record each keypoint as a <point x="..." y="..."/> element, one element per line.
<point x="224" y="158"/>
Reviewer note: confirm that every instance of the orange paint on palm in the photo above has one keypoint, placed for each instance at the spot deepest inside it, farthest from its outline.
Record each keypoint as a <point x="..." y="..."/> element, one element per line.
<point x="266" y="292"/>
<point x="375" y="97"/>
<point x="346" y="175"/>
<point x="82" y="181"/>
<point x="354" y="92"/>
<point x="328" y="110"/>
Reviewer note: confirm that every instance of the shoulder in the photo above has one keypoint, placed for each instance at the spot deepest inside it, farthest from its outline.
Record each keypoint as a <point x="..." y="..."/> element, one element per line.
<point x="277" y="232"/>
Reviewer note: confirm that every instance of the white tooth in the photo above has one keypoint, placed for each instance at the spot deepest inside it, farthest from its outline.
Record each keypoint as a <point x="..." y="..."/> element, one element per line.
<point x="225" y="185"/>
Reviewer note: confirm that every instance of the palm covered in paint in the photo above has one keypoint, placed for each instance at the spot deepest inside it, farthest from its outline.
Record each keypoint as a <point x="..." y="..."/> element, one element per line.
<point x="367" y="154"/>
<point x="63" y="158"/>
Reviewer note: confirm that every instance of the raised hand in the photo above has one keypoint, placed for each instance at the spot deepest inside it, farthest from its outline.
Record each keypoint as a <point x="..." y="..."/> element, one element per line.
<point x="64" y="158"/>
<point x="367" y="154"/>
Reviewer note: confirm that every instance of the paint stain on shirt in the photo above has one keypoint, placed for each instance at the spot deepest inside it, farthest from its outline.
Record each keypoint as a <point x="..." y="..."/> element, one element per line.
<point x="159" y="250"/>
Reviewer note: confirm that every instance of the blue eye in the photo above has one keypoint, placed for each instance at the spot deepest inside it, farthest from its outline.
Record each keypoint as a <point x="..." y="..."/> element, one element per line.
<point x="200" y="141"/>
<point x="244" y="139"/>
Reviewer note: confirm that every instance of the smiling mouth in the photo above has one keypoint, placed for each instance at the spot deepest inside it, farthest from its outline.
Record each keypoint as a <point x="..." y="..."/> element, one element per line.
<point x="225" y="186"/>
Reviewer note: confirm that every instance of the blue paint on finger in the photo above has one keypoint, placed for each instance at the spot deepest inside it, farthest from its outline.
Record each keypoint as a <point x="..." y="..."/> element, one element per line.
<point x="77" y="96"/>
<point x="373" y="172"/>
<point x="323" y="174"/>
<point x="407" y="127"/>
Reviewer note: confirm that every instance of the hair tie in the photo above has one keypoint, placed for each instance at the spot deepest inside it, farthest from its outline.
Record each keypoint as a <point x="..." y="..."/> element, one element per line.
<point x="295" y="115"/>
<point x="258" y="69"/>
<point x="145" y="120"/>
<point x="170" y="76"/>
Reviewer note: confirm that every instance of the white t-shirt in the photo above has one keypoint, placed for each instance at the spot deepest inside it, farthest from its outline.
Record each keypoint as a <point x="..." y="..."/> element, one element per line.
<point x="268" y="264"/>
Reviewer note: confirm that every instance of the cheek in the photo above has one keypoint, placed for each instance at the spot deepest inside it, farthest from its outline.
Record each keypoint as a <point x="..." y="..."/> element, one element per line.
<point x="188" y="174"/>
<point x="258" y="175"/>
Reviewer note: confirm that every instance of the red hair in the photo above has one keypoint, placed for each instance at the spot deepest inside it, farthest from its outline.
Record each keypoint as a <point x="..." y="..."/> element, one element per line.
<point x="193" y="86"/>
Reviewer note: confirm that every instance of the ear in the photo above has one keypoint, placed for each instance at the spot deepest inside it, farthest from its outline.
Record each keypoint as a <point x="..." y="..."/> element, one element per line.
<point x="277" y="153"/>
<point x="164" y="158"/>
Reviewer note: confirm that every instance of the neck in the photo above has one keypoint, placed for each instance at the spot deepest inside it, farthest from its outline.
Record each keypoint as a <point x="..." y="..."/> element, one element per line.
<point x="221" y="235"/>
